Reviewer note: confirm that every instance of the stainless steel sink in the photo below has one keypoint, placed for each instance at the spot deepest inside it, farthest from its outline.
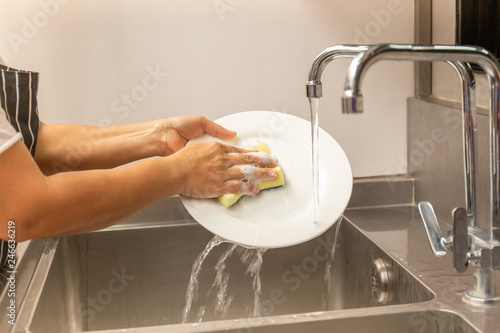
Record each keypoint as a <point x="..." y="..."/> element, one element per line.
<point x="134" y="278"/>
<point x="425" y="321"/>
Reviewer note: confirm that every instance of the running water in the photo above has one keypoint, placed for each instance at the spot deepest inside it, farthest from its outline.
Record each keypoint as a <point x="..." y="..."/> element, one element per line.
<point x="328" y="267"/>
<point x="222" y="301"/>
<point x="314" y="104"/>
<point x="192" y="290"/>
<point x="253" y="259"/>
<point x="250" y="257"/>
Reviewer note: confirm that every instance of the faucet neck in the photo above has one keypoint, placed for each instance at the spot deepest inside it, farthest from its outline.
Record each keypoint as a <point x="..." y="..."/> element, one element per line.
<point x="323" y="59"/>
<point x="446" y="53"/>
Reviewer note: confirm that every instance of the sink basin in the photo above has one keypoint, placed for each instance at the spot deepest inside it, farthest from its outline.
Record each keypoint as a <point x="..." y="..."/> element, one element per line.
<point x="420" y="321"/>
<point x="132" y="278"/>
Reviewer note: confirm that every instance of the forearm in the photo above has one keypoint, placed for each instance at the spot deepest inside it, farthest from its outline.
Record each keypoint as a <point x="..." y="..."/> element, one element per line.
<point x="74" y="147"/>
<point x="105" y="197"/>
<point x="78" y="202"/>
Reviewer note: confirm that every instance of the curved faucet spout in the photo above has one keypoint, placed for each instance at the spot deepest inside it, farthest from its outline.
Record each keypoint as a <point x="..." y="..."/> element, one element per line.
<point x="446" y="53"/>
<point x="314" y="88"/>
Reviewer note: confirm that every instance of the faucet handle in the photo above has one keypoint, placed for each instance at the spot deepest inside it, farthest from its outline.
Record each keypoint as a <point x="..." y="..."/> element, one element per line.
<point x="460" y="240"/>
<point x="436" y="240"/>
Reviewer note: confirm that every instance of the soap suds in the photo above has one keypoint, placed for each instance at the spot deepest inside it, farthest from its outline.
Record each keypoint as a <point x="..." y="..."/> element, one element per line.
<point x="248" y="171"/>
<point x="265" y="157"/>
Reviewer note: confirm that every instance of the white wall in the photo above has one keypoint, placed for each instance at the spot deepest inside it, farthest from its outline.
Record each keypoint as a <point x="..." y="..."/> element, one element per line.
<point x="216" y="57"/>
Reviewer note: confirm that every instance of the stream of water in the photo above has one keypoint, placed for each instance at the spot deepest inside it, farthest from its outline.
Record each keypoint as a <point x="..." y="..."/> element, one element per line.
<point x="251" y="258"/>
<point x="222" y="300"/>
<point x="314" y="105"/>
<point x="192" y="290"/>
<point x="328" y="277"/>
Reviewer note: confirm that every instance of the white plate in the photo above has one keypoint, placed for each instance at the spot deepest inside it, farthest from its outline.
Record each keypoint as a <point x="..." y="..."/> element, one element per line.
<point x="283" y="216"/>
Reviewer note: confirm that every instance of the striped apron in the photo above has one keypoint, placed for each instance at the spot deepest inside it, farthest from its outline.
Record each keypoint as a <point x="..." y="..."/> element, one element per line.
<point x="18" y="97"/>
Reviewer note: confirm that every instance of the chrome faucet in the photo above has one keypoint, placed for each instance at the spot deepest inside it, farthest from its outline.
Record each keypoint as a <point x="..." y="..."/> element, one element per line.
<point x="470" y="244"/>
<point x="314" y="90"/>
<point x="314" y="86"/>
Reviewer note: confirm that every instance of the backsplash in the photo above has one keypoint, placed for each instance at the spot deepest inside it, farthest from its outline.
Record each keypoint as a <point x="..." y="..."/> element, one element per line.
<point x="436" y="161"/>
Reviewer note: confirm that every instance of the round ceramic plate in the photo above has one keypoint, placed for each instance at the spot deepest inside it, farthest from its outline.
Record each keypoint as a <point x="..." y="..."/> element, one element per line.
<point x="283" y="216"/>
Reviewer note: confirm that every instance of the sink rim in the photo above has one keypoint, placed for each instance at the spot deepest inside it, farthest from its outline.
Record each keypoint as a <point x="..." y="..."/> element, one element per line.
<point x="308" y="317"/>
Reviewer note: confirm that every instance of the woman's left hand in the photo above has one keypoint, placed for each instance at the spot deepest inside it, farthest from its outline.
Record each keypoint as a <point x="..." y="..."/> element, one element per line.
<point x="175" y="132"/>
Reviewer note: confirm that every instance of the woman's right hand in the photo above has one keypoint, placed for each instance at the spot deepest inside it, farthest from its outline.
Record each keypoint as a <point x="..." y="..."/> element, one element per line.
<point x="211" y="169"/>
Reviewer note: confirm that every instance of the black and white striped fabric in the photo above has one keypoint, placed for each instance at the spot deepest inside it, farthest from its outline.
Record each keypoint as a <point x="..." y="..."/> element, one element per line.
<point x="18" y="97"/>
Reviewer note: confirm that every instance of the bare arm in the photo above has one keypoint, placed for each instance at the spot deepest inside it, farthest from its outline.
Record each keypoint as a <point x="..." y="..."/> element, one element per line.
<point x="62" y="147"/>
<point x="75" y="202"/>
<point x="73" y="147"/>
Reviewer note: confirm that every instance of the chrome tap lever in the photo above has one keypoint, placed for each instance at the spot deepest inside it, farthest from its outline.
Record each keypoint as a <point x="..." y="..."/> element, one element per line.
<point x="460" y="240"/>
<point x="436" y="240"/>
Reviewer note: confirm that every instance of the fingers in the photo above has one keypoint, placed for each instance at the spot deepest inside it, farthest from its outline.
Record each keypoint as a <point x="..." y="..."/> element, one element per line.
<point x="259" y="158"/>
<point x="239" y="187"/>
<point x="265" y="158"/>
<point x="251" y="174"/>
<point x="234" y="150"/>
<point x="246" y="156"/>
<point x="244" y="179"/>
<point x="216" y="130"/>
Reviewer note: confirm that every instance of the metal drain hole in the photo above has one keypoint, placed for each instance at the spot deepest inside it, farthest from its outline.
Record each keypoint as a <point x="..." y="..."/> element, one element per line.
<point x="381" y="280"/>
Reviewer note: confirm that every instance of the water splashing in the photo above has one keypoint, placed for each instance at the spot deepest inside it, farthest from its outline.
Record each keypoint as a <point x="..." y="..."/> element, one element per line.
<point x="253" y="259"/>
<point x="328" y="278"/>
<point x="201" y="313"/>
<point x="222" y="302"/>
<point x="192" y="290"/>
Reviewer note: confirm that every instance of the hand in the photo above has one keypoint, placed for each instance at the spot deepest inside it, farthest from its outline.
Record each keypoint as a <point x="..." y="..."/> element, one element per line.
<point x="212" y="169"/>
<point x="177" y="131"/>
